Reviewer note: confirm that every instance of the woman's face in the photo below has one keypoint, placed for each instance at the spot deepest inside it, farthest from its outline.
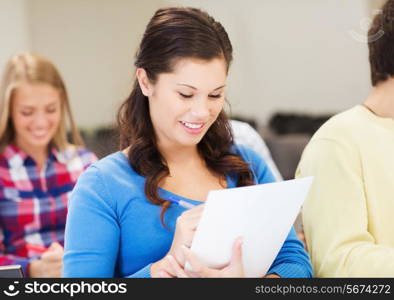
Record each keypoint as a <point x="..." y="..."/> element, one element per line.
<point x="184" y="104"/>
<point x="36" y="114"/>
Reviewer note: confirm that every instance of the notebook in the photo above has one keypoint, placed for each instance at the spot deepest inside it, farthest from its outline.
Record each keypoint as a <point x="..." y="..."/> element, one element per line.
<point x="262" y="214"/>
<point x="11" y="271"/>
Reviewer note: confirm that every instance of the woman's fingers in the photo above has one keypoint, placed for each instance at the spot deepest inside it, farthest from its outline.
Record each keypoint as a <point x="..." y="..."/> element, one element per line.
<point x="191" y="216"/>
<point x="186" y="225"/>
<point x="52" y="256"/>
<point x="164" y="274"/>
<point x="195" y="210"/>
<point x="198" y="269"/>
<point x="236" y="257"/>
<point x="192" y="222"/>
<point x="233" y="269"/>
<point x="176" y="268"/>
<point x="55" y="252"/>
<point x="188" y="221"/>
<point x="55" y="246"/>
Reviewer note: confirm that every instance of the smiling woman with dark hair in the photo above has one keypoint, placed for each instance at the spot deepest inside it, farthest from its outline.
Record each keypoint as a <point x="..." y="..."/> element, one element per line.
<point x="176" y="144"/>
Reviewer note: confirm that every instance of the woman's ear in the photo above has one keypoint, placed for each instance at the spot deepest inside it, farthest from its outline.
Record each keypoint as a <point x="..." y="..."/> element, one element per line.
<point x="143" y="80"/>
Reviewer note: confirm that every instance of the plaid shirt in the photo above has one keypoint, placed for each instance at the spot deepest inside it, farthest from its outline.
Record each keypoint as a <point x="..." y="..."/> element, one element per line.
<point x="33" y="204"/>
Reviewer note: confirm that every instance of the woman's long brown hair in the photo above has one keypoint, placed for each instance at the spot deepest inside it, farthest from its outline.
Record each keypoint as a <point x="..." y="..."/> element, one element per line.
<point x="173" y="34"/>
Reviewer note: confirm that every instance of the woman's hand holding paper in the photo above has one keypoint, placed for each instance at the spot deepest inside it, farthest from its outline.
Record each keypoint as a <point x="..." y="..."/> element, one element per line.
<point x="233" y="269"/>
<point x="186" y="225"/>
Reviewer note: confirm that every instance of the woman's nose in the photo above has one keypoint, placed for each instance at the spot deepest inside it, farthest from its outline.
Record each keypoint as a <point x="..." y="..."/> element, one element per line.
<point x="41" y="120"/>
<point x="200" y="108"/>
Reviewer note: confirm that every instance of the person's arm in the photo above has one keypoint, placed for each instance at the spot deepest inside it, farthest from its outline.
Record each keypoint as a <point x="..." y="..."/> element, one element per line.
<point x="292" y="259"/>
<point x="87" y="158"/>
<point x="92" y="230"/>
<point x="335" y="214"/>
<point x="145" y="272"/>
<point x="48" y="265"/>
<point x="11" y="259"/>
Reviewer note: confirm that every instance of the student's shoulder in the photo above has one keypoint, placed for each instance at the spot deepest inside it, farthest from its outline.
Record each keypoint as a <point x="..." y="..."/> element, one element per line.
<point x="113" y="163"/>
<point x="340" y="138"/>
<point x="75" y="153"/>
<point x="342" y="127"/>
<point x="113" y="177"/>
<point x="82" y="151"/>
<point x="247" y="154"/>
<point x="258" y="166"/>
<point x="115" y="168"/>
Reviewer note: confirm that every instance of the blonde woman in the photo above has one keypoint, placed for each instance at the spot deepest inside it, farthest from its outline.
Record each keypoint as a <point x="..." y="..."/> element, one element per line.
<point x="38" y="166"/>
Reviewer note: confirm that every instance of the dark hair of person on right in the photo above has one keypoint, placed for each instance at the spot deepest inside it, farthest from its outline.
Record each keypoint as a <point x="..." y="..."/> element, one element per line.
<point x="381" y="44"/>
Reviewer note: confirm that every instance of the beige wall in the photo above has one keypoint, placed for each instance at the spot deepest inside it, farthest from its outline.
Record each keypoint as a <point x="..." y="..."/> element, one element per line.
<point x="93" y="43"/>
<point x="293" y="55"/>
<point x="13" y="29"/>
<point x="288" y="55"/>
<point x="376" y="4"/>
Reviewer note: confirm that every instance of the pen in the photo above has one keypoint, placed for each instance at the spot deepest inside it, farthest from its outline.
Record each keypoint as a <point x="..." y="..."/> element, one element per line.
<point x="181" y="202"/>
<point x="36" y="248"/>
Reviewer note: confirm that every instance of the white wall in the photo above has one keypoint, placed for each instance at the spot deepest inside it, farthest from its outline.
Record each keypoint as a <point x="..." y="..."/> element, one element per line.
<point x="288" y="55"/>
<point x="13" y="29"/>
<point x="93" y="43"/>
<point x="376" y="4"/>
<point x="293" y="55"/>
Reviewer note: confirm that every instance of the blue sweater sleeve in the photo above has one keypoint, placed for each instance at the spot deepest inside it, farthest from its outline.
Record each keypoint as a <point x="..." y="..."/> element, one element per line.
<point x="292" y="260"/>
<point x="92" y="253"/>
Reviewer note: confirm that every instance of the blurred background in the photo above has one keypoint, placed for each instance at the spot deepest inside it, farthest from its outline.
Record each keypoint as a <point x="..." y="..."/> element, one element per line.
<point x="296" y="62"/>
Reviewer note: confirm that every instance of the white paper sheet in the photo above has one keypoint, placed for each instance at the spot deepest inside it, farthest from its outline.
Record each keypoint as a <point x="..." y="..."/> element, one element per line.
<point x="262" y="214"/>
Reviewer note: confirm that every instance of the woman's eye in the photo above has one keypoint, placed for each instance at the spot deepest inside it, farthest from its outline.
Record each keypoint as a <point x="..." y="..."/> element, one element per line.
<point x="26" y="113"/>
<point x="215" y="96"/>
<point x="51" y="111"/>
<point x="185" y="96"/>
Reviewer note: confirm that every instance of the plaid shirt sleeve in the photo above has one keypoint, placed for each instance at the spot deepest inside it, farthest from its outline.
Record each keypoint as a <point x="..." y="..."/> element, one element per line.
<point x="11" y="259"/>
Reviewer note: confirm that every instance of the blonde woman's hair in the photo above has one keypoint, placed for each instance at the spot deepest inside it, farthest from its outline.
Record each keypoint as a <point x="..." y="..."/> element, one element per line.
<point x="34" y="69"/>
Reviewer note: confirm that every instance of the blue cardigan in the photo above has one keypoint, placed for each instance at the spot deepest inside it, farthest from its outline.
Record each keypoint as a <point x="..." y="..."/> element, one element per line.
<point x="112" y="230"/>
